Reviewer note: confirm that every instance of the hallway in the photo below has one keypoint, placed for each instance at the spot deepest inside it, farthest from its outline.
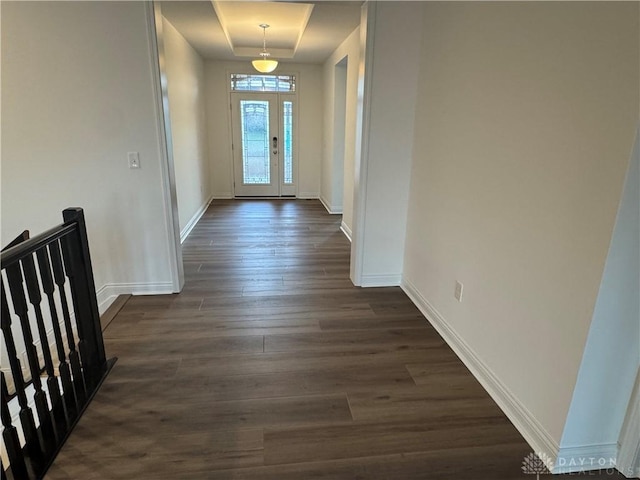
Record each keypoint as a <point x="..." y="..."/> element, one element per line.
<point x="271" y="365"/>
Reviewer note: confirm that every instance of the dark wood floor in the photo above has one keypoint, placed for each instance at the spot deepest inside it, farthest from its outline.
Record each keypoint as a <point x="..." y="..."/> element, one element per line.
<point x="271" y="365"/>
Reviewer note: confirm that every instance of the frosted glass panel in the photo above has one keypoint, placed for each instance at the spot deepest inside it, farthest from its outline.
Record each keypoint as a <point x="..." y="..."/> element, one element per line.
<point x="254" y="124"/>
<point x="262" y="83"/>
<point x="287" y="123"/>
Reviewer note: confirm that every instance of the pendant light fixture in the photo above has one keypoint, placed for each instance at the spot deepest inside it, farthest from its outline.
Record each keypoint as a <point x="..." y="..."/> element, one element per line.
<point x="264" y="64"/>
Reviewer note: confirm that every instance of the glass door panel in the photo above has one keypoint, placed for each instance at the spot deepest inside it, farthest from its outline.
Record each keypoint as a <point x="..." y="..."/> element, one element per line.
<point x="287" y="153"/>
<point x="256" y="157"/>
<point x="255" y="144"/>
<point x="287" y="144"/>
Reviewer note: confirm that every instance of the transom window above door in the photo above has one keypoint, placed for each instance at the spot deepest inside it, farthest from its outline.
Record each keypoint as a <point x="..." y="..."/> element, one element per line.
<point x="242" y="82"/>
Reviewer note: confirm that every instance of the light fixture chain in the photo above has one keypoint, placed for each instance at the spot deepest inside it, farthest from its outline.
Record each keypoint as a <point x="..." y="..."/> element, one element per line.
<point x="264" y="64"/>
<point x="264" y="38"/>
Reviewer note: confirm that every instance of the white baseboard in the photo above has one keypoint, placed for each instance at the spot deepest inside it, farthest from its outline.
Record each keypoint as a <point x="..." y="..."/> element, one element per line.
<point x="308" y="195"/>
<point x="528" y="426"/>
<point x="586" y="458"/>
<point x="194" y="220"/>
<point x="331" y="209"/>
<point x="108" y="293"/>
<point x="346" y="230"/>
<point x="628" y="451"/>
<point x="105" y="300"/>
<point x="222" y="196"/>
<point x="381" y="280"/>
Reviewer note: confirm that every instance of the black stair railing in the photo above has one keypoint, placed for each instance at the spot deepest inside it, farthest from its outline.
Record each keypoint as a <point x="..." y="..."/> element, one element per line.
<point x="51" y="342"/>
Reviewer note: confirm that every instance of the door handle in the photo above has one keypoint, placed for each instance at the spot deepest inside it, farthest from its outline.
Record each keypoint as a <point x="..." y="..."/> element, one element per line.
<point x="274" y="144"/>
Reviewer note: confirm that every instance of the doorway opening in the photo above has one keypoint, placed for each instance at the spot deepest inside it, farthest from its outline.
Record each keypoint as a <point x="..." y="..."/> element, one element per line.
<point x="339" y="131"/>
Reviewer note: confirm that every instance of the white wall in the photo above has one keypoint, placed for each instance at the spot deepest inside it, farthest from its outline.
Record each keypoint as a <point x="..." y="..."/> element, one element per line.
<point x="185" y="80"/>
<point x="337" y="177"/>
<point x="526" y="116"/>
<point x="381" y="187"/>
<point x="612" y="353"/>
<point x="77" y="95"/>
<point x="310" y="101"/>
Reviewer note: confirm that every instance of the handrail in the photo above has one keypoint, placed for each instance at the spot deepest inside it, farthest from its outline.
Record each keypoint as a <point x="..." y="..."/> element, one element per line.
<point x="13" y="254"/>
<point x="18" y="240"/>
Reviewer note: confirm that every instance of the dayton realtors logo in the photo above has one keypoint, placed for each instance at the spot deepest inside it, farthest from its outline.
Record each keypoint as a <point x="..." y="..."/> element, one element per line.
<point x="537" y="464"/>
<point x="542" y="464"/>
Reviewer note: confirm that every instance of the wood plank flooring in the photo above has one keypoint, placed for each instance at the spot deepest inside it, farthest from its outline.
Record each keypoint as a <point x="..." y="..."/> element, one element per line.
<point x="271" y="365"/>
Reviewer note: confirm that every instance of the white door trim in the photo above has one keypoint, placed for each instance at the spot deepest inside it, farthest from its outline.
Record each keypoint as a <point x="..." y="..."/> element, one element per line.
<point x="628" y="457"/>
<point x="172" y="224"/>
<point x="363" y="120"/>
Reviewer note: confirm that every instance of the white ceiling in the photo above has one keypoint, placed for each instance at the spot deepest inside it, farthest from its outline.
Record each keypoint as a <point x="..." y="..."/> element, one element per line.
<point x="229" y="30"/>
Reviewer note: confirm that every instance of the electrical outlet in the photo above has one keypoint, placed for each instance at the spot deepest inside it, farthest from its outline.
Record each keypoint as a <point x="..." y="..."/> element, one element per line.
<point x="458" y="291"/>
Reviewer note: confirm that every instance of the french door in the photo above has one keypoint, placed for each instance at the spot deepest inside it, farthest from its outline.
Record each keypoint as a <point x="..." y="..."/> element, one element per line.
<point x="263" y="144"/>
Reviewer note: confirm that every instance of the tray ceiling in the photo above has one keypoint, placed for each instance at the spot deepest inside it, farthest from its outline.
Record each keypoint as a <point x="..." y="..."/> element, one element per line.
<point x="229" y="30"/>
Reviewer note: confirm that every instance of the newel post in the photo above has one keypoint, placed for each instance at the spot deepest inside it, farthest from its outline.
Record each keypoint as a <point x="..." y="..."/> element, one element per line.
<point x="84" y="296"/>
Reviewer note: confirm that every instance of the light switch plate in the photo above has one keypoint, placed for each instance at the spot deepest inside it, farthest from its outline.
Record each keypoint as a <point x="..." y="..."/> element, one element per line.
<point x="134" y="159"/>
<point x="458" y="291"/>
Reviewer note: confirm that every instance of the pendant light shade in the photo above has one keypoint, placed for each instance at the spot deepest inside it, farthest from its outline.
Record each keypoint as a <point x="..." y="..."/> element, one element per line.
<point x="264" y="64"/>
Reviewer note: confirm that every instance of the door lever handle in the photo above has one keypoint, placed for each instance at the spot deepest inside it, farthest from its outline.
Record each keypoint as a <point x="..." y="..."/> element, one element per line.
<point x="274" y="143"/>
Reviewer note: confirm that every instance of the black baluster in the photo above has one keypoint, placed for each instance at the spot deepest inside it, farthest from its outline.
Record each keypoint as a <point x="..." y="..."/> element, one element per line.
<point x="74" y="358"/>
<point x="26" y="415"/>
<point x="10" y="436"/>
<point x="75" y="249"/>
<point x="14" y="276"/>
<point x="63" y="367"/>
<point x="35" y="298"/>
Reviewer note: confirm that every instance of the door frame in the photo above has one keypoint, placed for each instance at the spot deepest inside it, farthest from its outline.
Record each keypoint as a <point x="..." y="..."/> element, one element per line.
<point x="247" y="70"/>
<point x="261" y="190"/>
<point x="154" y="26"/>
<point x="155" y="34"/>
